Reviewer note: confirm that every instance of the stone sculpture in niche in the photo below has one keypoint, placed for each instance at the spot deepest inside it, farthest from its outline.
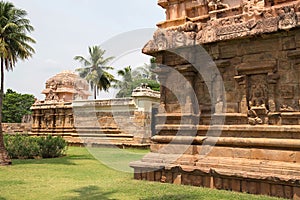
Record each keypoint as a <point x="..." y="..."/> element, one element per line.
<point x="253" y="7"/>
<point x="288" y="18"/>
<point x="216" y="5"/>
<point x="257" y="96"/>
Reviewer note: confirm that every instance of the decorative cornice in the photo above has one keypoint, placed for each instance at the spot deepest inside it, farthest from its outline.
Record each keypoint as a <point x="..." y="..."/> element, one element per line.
<point x="248" y="23"/>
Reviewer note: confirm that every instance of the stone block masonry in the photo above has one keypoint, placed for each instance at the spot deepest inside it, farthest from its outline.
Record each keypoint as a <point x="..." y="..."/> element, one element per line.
<point x="112" y="122"/>
<point x="232" y="121"/>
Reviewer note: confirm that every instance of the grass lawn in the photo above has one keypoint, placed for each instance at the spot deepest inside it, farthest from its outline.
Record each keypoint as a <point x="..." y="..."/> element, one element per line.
<point x="80" y="176"/>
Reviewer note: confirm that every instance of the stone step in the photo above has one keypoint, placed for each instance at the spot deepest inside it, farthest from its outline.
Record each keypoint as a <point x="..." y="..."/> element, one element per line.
<point x="243" y="168"/>
<point x="89" y="135"/>
<point x="98" y="142"/>
<point x="243" y="131"/>
<point x="99" y="131"/>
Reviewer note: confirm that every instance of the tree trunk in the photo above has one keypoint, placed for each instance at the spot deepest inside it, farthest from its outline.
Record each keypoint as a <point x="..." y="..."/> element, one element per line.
<point x="95" y="93"/>
<point x="4" y="158"/>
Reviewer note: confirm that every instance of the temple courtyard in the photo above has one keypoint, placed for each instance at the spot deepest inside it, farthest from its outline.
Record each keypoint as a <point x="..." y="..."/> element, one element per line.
<point x="80" y="176"/>
<point x="226" y="119"/>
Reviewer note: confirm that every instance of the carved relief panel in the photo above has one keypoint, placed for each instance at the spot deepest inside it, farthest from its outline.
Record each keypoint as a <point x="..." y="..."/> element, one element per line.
<point x="257" y="91"/>
<point x="257" y="98"/>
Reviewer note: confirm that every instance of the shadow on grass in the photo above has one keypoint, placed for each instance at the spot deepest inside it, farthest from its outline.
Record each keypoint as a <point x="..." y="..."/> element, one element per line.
<point x="11" y="182"/>
<point x="172" y="197"/>
<point x="65" y="160"/>
<point x="89" y="193"/>
<point x="2" y="198"/>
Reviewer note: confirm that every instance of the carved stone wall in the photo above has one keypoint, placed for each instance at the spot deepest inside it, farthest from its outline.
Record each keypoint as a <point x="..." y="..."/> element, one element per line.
<point x="101" y="122"/>
<point x="54" y="114"/>
<point x="13" y="128"/>
<point x="241" y="106"/>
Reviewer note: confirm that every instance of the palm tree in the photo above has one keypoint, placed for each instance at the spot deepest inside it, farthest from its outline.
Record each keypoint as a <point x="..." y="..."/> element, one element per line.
<point x="125" y="85"/>
<point x="95" y="68"/>
<point x="146" y="71"/>
<point x="135" y="78"/>
<point x="14" y="45"/>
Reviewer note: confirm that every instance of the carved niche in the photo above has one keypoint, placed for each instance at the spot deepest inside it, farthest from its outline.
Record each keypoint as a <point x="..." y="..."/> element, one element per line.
<point x="257" y="82"/>
<point x="257" y="91"/>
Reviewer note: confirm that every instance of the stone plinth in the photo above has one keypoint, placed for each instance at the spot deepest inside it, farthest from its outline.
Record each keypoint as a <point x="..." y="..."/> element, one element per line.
<point x="234" y="70"/>
<point x="117" y="122"/>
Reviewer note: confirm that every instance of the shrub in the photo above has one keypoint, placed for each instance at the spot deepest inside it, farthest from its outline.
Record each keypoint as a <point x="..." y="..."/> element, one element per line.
<point x="25" y="147"/>
<point x="51" y="147"/>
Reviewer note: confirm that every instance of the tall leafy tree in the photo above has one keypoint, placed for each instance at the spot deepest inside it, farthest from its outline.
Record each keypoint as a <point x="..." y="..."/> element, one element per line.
<point x="15" y="106"/>
<point x="95" y="70"/>
<point x="14" y="46"/>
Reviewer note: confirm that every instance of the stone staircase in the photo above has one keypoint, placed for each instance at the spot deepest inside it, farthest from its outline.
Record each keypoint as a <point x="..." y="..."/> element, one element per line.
<point x="102" y="136"/>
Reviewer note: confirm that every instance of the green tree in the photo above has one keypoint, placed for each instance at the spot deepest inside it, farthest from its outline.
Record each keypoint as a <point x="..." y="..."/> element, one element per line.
<point x="146" y="71"/>
<point x="125" y="85"/>
<point x="14" y="45"/>
<point x="95" y="68"/>
<point x="132" y="79"/>
<point x="15" y="106"/>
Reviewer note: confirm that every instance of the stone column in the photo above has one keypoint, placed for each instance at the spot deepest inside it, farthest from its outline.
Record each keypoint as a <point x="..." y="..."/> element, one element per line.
<point x="52" y="119"/>
<point x="161" y="71"/>
<point x="272" y="81"/>
<point x="43" y="119"/>
<point x="35" y="119"/>
<point x="173" y="10"/>
<point x="191" y="99"/>
<point x="218" y="97"/>
<point x="243" y="105"/>
<point x="182" y="10"/>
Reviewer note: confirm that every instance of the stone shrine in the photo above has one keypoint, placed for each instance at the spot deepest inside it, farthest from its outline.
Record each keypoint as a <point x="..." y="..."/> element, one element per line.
<point x="67" y="112"/>
<point x="229" y="114"/>
<point x="54" y="114"/>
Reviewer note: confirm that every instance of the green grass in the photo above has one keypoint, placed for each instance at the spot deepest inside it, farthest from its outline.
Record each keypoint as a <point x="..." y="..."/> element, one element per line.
<point x="80" y="176"/>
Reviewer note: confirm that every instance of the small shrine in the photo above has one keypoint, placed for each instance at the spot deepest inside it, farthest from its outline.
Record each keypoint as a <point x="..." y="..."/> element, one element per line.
<point x="66" y="111"/>
<point x="54" y="114"/>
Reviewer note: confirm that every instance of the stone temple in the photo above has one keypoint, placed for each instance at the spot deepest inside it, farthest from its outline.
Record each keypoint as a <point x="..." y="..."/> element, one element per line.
<point x="67" y="112"/>
<point x="54" y="114"/>
<point x="229" y="114"/>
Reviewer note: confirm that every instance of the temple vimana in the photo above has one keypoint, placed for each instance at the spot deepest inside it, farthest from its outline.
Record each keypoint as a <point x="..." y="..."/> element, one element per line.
<point x="229" y="113"/>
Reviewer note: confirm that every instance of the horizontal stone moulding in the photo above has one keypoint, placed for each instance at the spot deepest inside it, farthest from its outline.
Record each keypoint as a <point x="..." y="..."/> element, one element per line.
<point x="242" y="127"/>
<point x="230" y="141"/>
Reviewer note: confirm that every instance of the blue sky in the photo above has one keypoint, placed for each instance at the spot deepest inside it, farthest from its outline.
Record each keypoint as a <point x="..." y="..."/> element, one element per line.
<point x="65" y="28"/>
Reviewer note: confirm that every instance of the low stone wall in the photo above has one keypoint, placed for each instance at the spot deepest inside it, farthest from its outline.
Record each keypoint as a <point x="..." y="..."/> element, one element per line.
<point x="16" y="127"/>
<point x="121" y="122"/>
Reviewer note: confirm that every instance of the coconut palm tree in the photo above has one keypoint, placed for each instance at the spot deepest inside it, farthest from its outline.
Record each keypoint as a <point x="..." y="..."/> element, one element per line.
<point x="135" y="78"/>
<point x="146" y="71"/>
<point x="95" y="68"/>
<point x="14" y="45"/>
<point x="125" y="85"/>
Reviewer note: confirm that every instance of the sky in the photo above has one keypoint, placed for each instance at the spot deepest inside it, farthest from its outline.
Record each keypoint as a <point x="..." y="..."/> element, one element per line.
<point x="66" y="28"/>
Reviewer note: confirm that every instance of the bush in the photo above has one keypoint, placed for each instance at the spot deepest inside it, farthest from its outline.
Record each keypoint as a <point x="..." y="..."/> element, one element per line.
<point x="25" y="147"/>
<point x="51" y="147"/>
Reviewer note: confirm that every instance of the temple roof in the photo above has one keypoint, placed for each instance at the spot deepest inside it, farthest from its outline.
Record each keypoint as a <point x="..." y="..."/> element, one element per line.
<point x="66" y="83"/>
